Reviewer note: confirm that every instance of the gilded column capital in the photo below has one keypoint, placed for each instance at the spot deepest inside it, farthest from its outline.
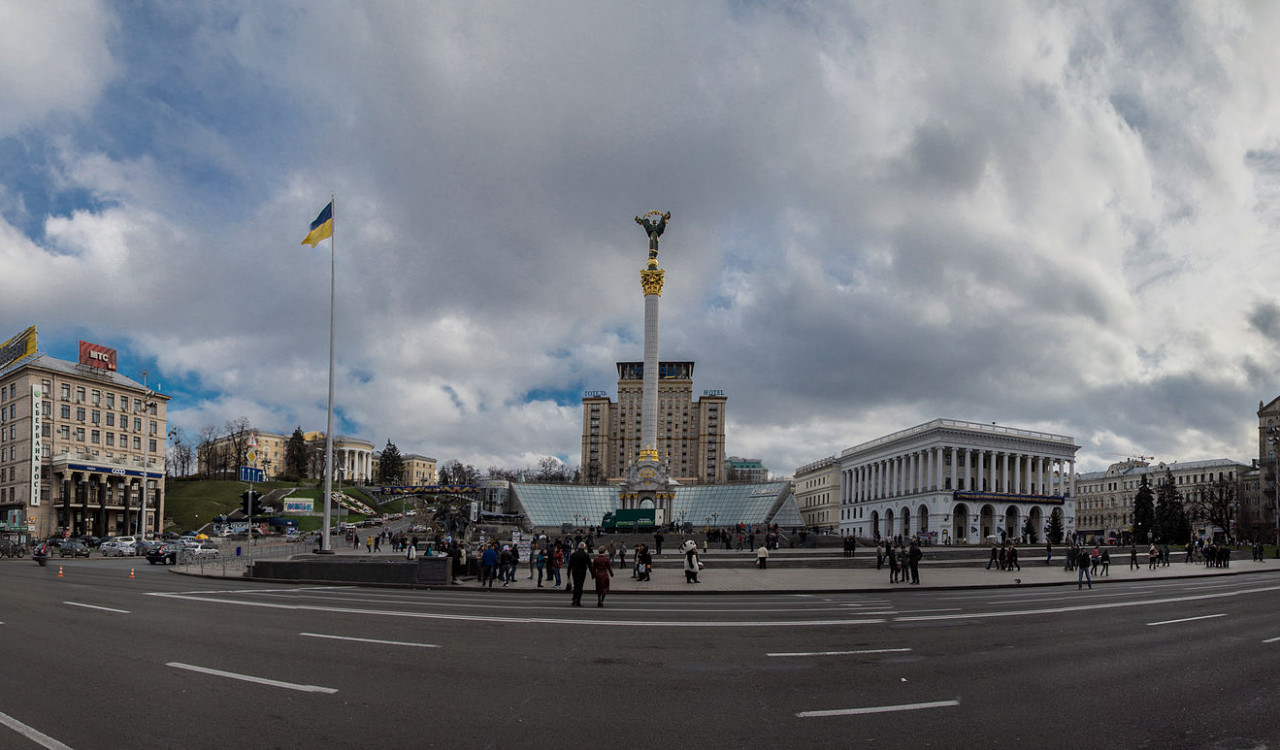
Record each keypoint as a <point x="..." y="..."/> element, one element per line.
<point x="651" y="281"/>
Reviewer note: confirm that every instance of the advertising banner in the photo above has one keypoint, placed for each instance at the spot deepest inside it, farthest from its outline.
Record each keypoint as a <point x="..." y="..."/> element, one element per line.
<point x="37" y="444"/>
<point x="94" y="355"/>
<point x="22" y="345"/>
<point x="299" y="506"/>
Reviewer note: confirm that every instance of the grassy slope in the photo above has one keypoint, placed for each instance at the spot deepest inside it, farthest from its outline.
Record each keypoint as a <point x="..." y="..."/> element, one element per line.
<point x="190" y="503"/>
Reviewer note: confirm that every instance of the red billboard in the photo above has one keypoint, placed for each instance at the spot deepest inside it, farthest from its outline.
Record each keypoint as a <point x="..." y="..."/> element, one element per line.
<point x="93" y="355"/>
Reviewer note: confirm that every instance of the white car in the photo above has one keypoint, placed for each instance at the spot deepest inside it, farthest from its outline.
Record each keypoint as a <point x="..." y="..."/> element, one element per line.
<point x="199" y="549"/>
<point x="124" y="546"/>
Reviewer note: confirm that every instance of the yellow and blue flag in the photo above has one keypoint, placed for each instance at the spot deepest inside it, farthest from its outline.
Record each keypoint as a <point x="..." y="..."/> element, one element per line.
<point x="321" y="228"/>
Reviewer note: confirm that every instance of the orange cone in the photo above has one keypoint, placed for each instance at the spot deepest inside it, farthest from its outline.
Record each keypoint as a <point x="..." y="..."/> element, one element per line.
<point x="131" y="572"/>
<point x="59" y="571"/>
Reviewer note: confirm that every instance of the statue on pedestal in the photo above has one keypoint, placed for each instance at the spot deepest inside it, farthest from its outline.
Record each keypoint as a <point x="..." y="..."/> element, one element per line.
<point x="654" y="224"/>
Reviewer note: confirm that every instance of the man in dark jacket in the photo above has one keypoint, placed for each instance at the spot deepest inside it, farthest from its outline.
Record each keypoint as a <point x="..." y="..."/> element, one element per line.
<point x="913" y="559"/>
<point x="579" y="564"/>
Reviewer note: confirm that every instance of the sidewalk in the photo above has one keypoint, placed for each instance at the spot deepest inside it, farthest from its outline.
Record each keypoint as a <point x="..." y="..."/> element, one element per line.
<point x="862" y="576"/>
<point x="955" y="568"/>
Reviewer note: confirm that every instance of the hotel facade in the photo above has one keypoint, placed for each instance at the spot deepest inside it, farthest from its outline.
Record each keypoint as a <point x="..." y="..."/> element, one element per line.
<point x="80" y="444"/>
<point x="690" y="432"/>
<point x="951" y="481"/>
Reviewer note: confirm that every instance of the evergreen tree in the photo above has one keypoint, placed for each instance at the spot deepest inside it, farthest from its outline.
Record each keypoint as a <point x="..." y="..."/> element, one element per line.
<point x="1054" y="532"/>
<point x="1144" y="512"/>
<point x="390" y="464"/>
<point x="1171" y="524"/>
<point x="295" y="456"/>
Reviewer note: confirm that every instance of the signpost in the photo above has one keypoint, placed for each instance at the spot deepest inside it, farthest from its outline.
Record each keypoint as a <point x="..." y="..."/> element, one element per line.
<point x="250" y="474"/>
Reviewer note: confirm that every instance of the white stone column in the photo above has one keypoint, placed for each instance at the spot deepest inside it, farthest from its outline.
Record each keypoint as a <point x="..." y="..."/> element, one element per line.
<point x="1016" y="487"/>
<point x="978" y="479"/>
<point x="937" y="467"/>
<point x="955" y="460"/>
<point x="1072" y="462"/>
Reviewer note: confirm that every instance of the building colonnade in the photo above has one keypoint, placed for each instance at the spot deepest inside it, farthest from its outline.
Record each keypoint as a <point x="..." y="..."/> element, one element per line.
<point x="960" y="469"/>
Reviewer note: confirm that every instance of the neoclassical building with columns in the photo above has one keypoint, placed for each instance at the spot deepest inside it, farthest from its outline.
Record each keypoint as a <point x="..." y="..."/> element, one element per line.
<point x="956" y="482"/>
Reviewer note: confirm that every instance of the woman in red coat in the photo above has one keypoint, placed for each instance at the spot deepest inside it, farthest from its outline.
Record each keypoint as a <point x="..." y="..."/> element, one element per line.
<point x="602" y="571"/>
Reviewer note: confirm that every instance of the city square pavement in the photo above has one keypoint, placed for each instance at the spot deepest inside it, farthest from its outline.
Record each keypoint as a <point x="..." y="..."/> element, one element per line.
<point x="825" y="570"/>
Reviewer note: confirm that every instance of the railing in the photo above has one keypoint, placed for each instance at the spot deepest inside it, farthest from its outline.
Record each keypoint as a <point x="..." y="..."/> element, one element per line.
<point x="228" y="564"/>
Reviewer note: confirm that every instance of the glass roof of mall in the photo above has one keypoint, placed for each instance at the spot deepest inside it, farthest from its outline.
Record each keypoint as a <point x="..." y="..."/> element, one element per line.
<point x="717" y="505"/>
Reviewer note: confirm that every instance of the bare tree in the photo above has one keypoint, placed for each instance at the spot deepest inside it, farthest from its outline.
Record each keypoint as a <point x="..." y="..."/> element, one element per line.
<point x="210" y="458"/>
<point x="1215" y="503"/>
<point x="238" y="431"/>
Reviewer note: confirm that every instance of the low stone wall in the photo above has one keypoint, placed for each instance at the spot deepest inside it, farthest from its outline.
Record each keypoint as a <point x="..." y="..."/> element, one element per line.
<point x="425" y="571"/>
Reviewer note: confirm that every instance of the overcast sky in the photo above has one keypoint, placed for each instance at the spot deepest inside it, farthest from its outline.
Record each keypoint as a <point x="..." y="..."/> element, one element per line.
<point x="1045" y="216"/>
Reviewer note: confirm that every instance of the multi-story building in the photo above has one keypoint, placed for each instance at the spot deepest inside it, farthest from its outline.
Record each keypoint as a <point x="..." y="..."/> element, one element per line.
<point x="1104" y="499"/>
<point x="691" y="432"/>
<point x="816" y="488"/>
<point x="353" y="458"/>
<point x="418" y="469"/>
<point x="954" y="481"/>
<point x="746" y="470"/>
<point x="80" y="444"/>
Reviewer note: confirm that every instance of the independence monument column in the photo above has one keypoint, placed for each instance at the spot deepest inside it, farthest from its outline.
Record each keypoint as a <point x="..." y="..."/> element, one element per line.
<point x="648" y="478"/>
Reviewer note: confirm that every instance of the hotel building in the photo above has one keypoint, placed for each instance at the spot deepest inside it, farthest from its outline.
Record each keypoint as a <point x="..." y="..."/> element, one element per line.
<point x="691" y="432"/>
<point x="79" y="445"/>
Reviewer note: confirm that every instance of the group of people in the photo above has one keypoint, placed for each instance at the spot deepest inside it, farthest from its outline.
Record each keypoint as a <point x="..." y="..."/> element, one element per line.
<point x="904" y="563"/>
<point x="1004" y="557"/>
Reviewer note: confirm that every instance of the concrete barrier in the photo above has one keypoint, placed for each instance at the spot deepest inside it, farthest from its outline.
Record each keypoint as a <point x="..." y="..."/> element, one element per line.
<point x="425" y="571"/>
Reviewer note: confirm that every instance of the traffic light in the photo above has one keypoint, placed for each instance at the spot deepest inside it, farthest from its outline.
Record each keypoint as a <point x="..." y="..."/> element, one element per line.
<point x="248" y="495"/>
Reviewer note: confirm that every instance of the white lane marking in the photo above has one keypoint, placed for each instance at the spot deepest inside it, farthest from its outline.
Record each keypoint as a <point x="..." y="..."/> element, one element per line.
<point x="1087" y="607"/>
<point x="1272" y="640"/>
<point x="94" y="606"/>
<point x="841" y="653"/>
<point x="36" y="736"/>
<point x="251" y="678"/>
<point x="529" y="620"/>
<point x="369" y="640"/>
<point x="937" y="609"/>
<point x="1188" y="619"/>
<point x="877" y="709"/>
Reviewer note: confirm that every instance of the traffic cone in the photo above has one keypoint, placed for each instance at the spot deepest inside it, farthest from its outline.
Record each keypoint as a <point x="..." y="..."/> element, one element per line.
<point x="131" y="572"/>
<point x="59" y="571"/>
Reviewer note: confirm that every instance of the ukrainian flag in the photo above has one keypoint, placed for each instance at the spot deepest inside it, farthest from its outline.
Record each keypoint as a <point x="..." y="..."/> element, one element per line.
<point x="321" y="228"/>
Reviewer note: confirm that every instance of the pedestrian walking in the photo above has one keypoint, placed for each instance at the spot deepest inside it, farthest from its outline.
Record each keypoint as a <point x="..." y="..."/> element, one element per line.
<point x="368" y="543"/>
<point x="1106" y="562"/>
<point x="691" y="562"/>
<point x="1133" y="557"/>
<point x="602" y="571"/>
<point x="644" y="563"/>
<point x="579" y="564"/>
<point x="488" y="565"/>
<point x="1048" y="552"/>
<point x="557" y="562"/>
<point x="994" y="559"/>
<point x="1083" y="576"/>
<point x="411" y="553"/>
<point x="913" y="559"/>
<point x="762" y="557"/>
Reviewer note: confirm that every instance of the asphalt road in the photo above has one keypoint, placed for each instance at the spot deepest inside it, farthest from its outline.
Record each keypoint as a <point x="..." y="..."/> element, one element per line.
<point x="100" y="660"/>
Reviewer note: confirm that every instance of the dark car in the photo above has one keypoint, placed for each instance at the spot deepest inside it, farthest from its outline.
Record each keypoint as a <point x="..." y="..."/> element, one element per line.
<point x="90" y="541"/>
<point x="73" y="548"/>
<point x="165" y="552"/>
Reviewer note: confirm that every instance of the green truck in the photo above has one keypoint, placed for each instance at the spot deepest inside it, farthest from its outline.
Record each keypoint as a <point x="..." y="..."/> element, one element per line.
<point x="636" y="519"/>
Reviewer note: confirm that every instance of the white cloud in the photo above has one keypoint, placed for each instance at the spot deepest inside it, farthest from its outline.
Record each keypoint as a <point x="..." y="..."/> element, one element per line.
<point x="1054" y="217"/>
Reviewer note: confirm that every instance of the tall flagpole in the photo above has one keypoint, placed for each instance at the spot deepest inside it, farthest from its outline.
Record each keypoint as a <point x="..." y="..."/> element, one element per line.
<point x="325" y="544"/>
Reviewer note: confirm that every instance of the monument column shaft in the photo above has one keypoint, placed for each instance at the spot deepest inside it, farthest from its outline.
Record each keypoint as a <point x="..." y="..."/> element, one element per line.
<point x="649" y="411"/>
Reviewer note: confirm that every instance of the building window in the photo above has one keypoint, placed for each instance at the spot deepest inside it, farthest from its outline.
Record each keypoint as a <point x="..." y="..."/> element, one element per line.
<point x="95" y="416"/>
<point x="80" y="413"/>
<point x="111" y="438"/>
<point x="97" y="397"/>
<point x="111" y="400"/>
<point x="66" y="392"/>
<point x="66" y="411"/>
<point x="95" y="437"/>
<point x="79" y="395"/>
<point x="80" y="434"/>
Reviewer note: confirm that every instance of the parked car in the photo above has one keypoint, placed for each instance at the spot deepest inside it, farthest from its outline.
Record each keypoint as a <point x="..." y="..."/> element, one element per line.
<point x="164" y="552"/>
<point x="73" y="548"/>
<point x="119" y="547"/>
<point x="90" y="541"/>
<point x="11" y="548"/>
